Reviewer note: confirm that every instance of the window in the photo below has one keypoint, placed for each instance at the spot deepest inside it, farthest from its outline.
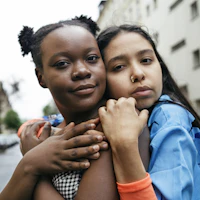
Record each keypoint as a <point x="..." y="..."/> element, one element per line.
<point x="175" y="4"/>
<point x="148" y="10"/>
<point x="196" y="58"/>
<point x="178" y="45"/>
<point x="194" y="10"/>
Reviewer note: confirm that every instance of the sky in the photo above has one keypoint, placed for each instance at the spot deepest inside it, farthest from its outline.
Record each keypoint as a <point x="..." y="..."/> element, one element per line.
<point x="14" y="14"/>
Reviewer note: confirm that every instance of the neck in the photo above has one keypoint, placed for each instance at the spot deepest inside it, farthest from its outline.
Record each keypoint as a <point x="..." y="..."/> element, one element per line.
<point x="81" y="116"/>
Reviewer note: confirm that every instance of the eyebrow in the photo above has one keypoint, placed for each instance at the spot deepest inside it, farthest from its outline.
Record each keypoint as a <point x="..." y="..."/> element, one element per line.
<point x="123" y="56"/>
<point x="66" y="53"/>
<point x="120" y="57"/>
<point x="142" y="52"/>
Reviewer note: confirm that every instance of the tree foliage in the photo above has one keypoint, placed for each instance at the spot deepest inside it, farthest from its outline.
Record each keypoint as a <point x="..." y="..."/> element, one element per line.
<point x="50" y="109"/>
<point x="12" y="120"/>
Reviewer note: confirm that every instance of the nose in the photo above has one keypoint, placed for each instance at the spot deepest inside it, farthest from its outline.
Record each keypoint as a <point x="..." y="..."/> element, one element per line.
<point x="137" y="73"/>
<point x="80" y="71"/>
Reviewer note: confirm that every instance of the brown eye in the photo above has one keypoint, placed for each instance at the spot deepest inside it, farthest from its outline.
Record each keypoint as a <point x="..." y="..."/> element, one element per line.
<point x="61" y="64"/>
<point x="93" y="58"/>
<point x="118" y="67"/>
<point x="146" y="61"/>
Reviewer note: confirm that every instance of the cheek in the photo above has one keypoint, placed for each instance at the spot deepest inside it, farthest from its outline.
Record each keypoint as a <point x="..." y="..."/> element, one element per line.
<point x="159" y="83"/>
<point x="115" y="88"/>
<point x="101" y="77"/>
<point x="160" y="80"/>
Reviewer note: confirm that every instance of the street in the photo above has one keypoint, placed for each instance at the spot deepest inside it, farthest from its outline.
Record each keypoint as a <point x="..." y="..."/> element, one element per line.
<point x="8" y="161"/>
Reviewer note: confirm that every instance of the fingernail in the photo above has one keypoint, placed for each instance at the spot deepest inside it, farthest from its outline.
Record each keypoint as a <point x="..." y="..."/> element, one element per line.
<point x="86" y="164"/>
<point x="99" y="137"/>
<point x="105" y="145"/>
<point x="96" y="147"/>
<point x="92" y="126"/>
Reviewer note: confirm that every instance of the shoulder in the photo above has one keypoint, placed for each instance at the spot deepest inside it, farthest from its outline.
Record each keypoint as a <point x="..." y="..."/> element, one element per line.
<point x="170" y="114"/>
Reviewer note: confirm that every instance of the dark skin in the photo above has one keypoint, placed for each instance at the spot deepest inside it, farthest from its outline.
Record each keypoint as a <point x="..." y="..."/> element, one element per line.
<point x="75" y="73"/>
<point x="30" y="167"/>
<point x="45" y="183"/>
<point x="78" y="78"/>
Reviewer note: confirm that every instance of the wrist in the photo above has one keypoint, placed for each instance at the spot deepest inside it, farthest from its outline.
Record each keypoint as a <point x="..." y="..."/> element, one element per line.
<point x="128" y="164"/>
<point x="28" y="165"/>
<point x="123" y="146"/>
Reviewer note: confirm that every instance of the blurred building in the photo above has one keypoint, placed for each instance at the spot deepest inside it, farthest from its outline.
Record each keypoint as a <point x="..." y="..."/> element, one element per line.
<point x="175" y="27"/>
<point x="5" y="106"/>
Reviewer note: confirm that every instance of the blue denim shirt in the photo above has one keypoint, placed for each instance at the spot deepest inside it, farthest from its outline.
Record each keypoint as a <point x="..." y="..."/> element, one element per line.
<point x="175" y="152"/>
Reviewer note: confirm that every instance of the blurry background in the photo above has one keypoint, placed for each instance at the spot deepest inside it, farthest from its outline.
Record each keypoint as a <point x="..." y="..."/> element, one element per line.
<point x="19" y="71"/>
<point x="174" y="25"/>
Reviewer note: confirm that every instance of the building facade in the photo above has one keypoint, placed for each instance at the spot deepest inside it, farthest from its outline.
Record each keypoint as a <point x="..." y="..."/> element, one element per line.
<point x="175" y="27"/>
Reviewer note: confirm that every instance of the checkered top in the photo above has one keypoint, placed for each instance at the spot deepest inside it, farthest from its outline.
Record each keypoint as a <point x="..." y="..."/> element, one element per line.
<point x="67" y="183"/>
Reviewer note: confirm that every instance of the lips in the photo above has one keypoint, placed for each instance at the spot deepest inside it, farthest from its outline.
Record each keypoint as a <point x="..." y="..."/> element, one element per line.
<point x="84" y="89"/>
<point x="141" y="91"/>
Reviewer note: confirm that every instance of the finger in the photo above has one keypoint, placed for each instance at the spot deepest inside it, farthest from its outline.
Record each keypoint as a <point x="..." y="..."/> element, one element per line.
<point x="102" y="111"/>
<point x="143" y="115"/>
<point x="31" y="129"/>
<point x="92" y="121"/>
<point x="83" y="141"/>
<point x="55" y="130"/>
<point x="74" y="165"/>
<point x="103" y="146"/>
<point x="67" y="128"/>
<point x="25" y="124"/>
<point x="81" y="152"/>
<point x="132" y="100"/>
<point x="93" y="132"/>
<point x="77" y="130"/>
<point x="120" y="100"/>
<point x="94" y="156"/>
<point x="45" y="131"/>
<point x="110" y="103"/>
<point x="36" y="128"/>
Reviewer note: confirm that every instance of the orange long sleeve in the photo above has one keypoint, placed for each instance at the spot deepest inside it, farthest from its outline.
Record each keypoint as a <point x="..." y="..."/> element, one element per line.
<point x="139" y="190"/>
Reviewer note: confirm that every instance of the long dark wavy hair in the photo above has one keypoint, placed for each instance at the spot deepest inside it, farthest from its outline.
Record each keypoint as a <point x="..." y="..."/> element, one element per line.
<point x="170" y="87"/>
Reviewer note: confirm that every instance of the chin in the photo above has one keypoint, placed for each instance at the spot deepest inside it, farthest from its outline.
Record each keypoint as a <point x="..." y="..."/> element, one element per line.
<point x="144" y="105"/>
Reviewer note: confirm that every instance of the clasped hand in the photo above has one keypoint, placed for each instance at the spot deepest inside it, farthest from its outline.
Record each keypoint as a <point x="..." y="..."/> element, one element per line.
<point x="70" y="148"/>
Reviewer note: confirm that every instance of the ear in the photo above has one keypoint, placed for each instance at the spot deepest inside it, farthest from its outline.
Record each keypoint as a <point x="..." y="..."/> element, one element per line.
<point x="39" y="74"/>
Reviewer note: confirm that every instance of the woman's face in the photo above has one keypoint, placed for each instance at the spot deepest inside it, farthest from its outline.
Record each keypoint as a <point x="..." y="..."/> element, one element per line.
<point x="72" y="68"/>
<point x="130" y="54"/>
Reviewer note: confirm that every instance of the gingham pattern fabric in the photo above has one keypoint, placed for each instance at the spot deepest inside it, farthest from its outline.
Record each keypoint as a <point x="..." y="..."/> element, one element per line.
<point x="67" y="183"/>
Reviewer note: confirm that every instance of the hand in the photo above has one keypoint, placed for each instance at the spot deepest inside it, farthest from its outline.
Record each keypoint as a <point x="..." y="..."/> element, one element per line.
<point x="122" y="125"/>
<point x="28" y="136"/>
<point x="103" y="145"/>
<point x="121" y="121"/>
<point x="60" y="152"/>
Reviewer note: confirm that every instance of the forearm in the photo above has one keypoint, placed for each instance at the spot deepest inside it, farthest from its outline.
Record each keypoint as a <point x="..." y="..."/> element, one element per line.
<point x="132" y="180"/>
<point x="45" y="190"/>
<point x="21" y="184"/>
<point x="127" y="162"/>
